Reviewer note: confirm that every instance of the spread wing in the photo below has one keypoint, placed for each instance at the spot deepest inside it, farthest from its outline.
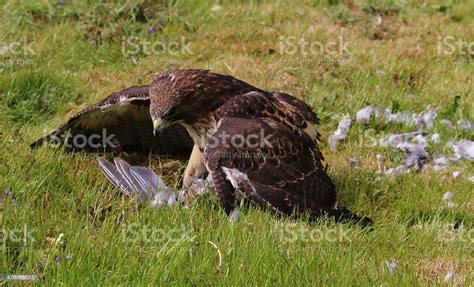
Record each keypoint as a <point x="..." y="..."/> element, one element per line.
<point x="283" y="169"/>
<point x="120" y="122"/>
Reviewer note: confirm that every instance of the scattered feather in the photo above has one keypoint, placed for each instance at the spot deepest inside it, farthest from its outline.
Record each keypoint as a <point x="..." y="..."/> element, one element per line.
<point x="444" y="160"/>
<point x="363" y="116"/>
<point x="425" y="119"/>
<point x="448" y="196"/>
<point x="341" y="132"/>
<point x="435" y="138"/>
<point x="446" y="123"/>
<point x="465" y="124"/>
<point x="438" y="167"/>
<point x="401" y="169"/>
<point x="234" y="215"/>
<point x="400" y="117"/>
<point x="463" y="149"/>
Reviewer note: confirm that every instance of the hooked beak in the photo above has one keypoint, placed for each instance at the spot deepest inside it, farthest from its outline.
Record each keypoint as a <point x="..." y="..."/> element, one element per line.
<point x="157" y="126"/>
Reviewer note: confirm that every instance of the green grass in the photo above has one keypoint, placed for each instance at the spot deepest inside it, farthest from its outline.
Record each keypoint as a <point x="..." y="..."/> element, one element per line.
<point x="78" y="59"/>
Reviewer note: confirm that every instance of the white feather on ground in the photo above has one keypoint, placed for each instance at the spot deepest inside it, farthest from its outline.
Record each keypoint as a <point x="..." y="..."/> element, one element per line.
<point x="144" y="184"/>
<point x="341" y="132"/>
<point x="363" y="116"/>
<point x="463" y="149"/>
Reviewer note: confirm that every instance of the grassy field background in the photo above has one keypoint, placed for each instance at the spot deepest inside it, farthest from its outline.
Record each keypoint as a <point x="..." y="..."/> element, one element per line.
<point x="59" y="57"/>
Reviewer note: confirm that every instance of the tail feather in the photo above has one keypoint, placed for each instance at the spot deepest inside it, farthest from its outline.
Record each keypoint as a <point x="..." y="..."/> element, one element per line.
<point x="114" y="176"/>
<point x="137" y="181"/>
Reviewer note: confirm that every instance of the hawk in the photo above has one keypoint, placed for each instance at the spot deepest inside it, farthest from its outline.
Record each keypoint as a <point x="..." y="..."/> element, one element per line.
<point x="258" y="143"/>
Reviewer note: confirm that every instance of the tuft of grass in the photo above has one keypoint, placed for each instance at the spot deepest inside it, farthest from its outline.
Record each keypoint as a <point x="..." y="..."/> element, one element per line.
<point x="35" y="96"/>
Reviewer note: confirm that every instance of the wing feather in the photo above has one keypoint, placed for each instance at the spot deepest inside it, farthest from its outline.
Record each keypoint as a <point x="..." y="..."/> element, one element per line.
<point x="120" y="122"/>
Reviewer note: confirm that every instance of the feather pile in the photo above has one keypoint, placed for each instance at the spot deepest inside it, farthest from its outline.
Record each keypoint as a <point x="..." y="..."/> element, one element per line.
<point x="413" y="145"/>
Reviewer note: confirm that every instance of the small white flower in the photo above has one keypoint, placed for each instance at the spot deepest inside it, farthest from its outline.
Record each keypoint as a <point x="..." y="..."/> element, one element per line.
<point x="471" y="179"/>
<point x="448" y="196"/>
<point x="451" y="204"/>
<point x="456" y="174"/>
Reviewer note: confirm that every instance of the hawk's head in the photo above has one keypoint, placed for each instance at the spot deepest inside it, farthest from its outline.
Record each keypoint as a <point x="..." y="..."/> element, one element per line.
<point x="190" y="96"/>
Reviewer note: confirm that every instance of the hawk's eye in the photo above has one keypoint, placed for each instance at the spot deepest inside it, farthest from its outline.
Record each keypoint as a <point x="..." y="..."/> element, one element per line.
<point x="171" y="113"/>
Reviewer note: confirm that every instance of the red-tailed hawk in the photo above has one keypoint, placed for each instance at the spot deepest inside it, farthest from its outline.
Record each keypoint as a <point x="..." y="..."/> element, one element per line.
<point x="262" y="144"/>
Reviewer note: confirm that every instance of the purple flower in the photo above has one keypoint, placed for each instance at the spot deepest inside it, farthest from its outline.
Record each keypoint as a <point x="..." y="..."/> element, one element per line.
<point x="152" y="30"/>
<point x="7" y="192"/>
<point x="68" y="256"/>
<point x="57" y="259"/>
<point x="62" y="2"/>
<point x="14" y="201"/>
